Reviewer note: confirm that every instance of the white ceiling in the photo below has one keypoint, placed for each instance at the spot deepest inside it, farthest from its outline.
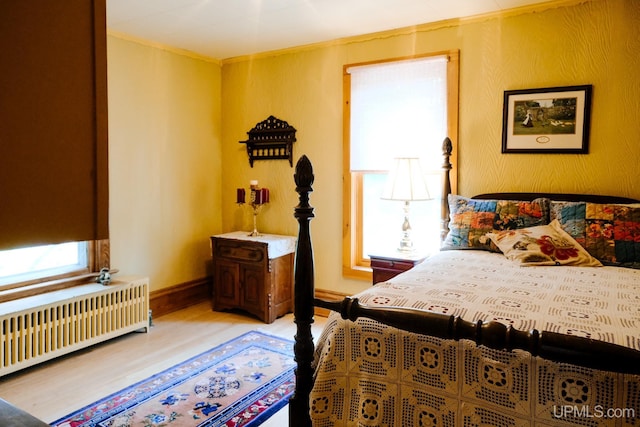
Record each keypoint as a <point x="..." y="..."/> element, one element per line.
<point x="227" y="28"/>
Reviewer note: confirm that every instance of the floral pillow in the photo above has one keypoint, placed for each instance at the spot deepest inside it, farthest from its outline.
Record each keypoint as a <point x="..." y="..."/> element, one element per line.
<point x="543" y="245"/>
<point x="472" y="219"/>
<point x="609" y="232"/>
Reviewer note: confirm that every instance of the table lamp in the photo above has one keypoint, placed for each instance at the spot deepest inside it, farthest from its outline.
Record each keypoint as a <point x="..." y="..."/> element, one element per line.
<point x="406" y="183"/>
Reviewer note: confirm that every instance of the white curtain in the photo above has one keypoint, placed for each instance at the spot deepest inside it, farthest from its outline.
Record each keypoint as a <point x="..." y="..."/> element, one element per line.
<point x="398" y="109"/>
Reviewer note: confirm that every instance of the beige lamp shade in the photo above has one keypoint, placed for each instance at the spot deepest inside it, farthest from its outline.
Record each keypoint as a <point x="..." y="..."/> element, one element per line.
<point x="406" y="181"/>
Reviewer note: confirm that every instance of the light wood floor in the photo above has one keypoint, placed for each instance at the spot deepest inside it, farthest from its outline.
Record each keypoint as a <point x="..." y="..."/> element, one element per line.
<point x="56" y="388"/>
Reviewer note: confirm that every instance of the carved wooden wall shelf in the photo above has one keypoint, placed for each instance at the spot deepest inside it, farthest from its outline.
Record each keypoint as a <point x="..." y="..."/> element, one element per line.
<point x="271" y="139"/>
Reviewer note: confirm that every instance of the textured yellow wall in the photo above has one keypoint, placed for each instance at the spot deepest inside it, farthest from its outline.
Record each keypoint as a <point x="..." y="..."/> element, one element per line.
<point x="164" y="161"/>
<point x="567" y="43"/>
<point x="593" y="43"/>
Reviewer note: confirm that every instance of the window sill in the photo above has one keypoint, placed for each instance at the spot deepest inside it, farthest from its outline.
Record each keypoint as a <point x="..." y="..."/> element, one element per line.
<point x="43" y="287"/>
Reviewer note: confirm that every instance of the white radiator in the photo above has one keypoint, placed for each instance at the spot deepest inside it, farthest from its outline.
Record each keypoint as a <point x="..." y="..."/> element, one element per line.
<point x="41" y="327"/>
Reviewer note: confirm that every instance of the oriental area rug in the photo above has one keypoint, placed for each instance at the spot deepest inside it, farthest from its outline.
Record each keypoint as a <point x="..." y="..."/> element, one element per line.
<point x="239" y="383"/>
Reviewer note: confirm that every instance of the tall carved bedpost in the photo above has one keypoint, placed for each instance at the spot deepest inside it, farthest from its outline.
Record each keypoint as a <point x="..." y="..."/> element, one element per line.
<point x="447" y="148"/>
<point x="303" y="299"/>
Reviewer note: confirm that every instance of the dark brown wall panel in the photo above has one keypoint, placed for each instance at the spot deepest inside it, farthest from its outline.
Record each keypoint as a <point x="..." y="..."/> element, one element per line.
<point x="53" y="122"/>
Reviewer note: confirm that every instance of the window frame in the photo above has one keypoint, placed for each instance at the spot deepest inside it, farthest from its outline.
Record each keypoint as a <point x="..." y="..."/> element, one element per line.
<point x="355" y="264"/>
<point x="98" y="254"/>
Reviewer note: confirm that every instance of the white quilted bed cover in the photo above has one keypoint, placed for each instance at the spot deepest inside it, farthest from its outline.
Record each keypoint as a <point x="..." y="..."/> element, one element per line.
<point x="372" y="375"/>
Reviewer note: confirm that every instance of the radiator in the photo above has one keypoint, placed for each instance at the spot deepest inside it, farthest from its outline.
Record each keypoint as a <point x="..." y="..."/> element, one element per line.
<point x="41" y="327"/>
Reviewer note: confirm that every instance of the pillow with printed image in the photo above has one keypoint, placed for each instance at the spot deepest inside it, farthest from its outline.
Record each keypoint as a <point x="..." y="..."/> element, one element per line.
<point x="543" y="245"/>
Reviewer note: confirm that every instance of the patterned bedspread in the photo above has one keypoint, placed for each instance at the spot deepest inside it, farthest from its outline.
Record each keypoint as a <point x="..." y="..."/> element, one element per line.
<point x="372" y="375"/>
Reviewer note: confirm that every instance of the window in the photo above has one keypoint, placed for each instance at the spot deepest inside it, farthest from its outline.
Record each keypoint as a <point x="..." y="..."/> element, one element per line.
<point x="36" y="269"/>
<point x="396" y="108"/>
<point x="37" y="262"/>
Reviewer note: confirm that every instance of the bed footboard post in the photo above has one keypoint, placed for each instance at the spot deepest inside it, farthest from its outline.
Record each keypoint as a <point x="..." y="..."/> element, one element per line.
<point x="303" y="299"/>
<point x="447" y="148"/>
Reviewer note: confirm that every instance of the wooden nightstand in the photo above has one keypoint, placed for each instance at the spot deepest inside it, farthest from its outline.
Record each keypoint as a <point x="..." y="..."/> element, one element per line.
<point x="254" y="274"/>
<point x="388" y="265"/>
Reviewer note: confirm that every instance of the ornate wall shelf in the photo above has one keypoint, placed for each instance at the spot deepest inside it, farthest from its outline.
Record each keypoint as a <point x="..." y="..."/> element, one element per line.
<point x="271" y="139"/>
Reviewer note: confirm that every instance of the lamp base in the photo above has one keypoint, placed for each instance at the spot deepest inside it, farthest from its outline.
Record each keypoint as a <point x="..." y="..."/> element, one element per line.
<point x="406" y="245"/>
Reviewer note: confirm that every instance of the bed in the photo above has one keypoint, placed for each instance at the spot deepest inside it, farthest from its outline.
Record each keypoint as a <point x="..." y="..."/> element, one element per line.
<point x="534" y="328"/>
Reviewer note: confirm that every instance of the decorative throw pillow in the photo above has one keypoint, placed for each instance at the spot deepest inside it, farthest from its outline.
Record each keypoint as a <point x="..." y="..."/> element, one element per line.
<point x="472" y="219"/>
<point x="543" y="245"/>
<point x="609" y="232"/>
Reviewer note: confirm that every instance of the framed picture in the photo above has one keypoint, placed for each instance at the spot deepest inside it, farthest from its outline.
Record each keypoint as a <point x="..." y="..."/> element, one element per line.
<point x="547" y="120"/>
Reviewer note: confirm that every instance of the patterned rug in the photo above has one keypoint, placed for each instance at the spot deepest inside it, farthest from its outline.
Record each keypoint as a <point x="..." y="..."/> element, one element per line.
<point x="239" y="383"/>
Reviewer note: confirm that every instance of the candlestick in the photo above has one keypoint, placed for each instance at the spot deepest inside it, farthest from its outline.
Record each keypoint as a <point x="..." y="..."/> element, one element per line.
<point x="256" y="209"/>
<point x="257" y="198"/>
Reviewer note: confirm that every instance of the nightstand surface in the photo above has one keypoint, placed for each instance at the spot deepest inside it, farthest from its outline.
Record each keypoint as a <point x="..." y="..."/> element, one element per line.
<point x="277" y="245"/>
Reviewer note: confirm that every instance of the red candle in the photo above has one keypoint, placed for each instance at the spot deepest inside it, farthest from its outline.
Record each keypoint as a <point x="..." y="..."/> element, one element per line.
<point x="240" y="195"/>
<point x="258" y="197"/>
<point x="265" y="195"/>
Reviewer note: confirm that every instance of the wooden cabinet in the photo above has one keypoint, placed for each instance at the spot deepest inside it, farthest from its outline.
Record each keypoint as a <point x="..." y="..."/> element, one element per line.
<point x="254" y="274"/>
<point x="388" y="266"/>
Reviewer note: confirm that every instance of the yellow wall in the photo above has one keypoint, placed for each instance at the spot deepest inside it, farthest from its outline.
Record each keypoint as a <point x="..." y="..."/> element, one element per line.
<point x="164" y="162"/>
<point x="568" y="43"/>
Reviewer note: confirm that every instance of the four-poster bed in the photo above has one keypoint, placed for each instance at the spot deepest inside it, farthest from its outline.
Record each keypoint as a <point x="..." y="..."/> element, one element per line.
<point x="476" y="364"/>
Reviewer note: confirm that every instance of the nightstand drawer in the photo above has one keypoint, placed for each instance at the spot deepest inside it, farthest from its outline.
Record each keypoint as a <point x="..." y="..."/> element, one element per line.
<point x="239" y="251"/>
<point x="396" y="265"/>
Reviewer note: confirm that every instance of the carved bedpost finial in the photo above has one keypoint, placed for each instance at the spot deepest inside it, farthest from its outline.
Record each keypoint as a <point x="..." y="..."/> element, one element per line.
<point x="303" y="297"/>
<point x="447" y="148"/>
<point x="304" y="178"/>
